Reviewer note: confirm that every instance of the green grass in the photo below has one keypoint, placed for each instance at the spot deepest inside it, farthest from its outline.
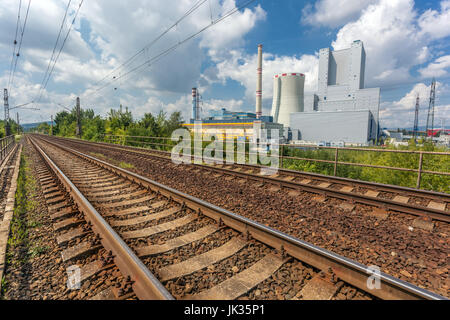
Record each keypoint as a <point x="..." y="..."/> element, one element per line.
<point x="125" y="165"/>
<point x="19" y="250"/>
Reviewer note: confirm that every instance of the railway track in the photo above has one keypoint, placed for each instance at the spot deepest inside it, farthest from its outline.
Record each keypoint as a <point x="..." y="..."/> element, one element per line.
<point x="428" y="205"/>
<point x="169" y="244"/>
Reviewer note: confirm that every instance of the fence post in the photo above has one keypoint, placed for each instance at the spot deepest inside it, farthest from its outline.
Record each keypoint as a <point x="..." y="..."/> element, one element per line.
<point x="335" y="161"/>
<point x="419" y="173"/>
<point x="282" y="156"/>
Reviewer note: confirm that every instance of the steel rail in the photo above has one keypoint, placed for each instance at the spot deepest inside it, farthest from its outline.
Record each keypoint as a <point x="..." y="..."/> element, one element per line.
<point x="380" y="186"/>
<point x="344" y="195"/>
<point x="145" y="285"/>
<point x="346" y="269"/>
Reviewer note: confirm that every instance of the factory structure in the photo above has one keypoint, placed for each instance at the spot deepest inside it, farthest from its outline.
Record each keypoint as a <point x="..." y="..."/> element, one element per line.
<point x="236" y="125"/>
<point x="341" y="112"/>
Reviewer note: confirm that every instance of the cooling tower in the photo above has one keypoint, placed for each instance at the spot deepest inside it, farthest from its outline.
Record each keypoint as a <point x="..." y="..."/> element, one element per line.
<point x="287" y="96"/>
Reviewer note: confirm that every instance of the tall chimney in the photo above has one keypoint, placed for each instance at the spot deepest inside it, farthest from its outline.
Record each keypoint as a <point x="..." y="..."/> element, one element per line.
<point x="194" y="103"/>
<point x="259" y="83"/>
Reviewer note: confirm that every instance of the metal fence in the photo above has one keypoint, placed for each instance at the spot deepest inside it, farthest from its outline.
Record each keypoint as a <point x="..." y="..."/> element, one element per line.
<point x="287" y="149"/>
<point x="6" y="145"/>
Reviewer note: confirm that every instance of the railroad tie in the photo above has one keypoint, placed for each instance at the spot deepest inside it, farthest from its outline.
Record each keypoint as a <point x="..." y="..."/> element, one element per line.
<point x="64" y="224"/>
<point x="70" y="235"/>
<point x="127" y="202"/>
<point x="242" y="282"/>
<point x="89" y="270"/>
<point x="63" y="213"/>
<point x="317" y="289"/>
<point x="129" y="194"/>
<point x="201" y="261"/>
<point x="177" y="242"/>
<point x="159" y="228"/>
<point x="436" y="205"/>
<point x="78" y="250"/>
<point x="401" y="199"/>
<point x="146" y="218"/>
<point x="347" y="189"/>
<point x="372" y="193"/>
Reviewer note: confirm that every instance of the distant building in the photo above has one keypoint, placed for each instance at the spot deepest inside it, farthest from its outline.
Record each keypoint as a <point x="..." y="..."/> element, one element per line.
<point x="239" y="124"/>
<point x="335" y="112"/>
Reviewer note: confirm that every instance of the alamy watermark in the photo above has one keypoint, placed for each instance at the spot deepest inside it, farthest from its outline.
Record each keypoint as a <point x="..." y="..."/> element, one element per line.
<point x="212" y="146"/>
<point x="73" y="277"/>
<point x="374" y="280"/>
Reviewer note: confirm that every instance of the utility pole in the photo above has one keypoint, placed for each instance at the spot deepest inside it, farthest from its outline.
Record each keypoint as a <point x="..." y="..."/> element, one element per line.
<point x="79" y="133"/>
<point x="430" y="117"/>
<point x="51" y="132"/>
<point x="416" y="119"/>
<point x="18" y="123"/>
<point x="5" y="99"/>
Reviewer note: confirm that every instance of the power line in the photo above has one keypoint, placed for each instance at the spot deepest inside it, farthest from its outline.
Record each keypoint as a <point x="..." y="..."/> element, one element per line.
<point x="54" y="48"/>
<point x="20" y="46"/>
<point x="198" y="4"/>
<point x="15" y="43"/>
<point x="175" y="46"/>
<point x="60" y="50"/>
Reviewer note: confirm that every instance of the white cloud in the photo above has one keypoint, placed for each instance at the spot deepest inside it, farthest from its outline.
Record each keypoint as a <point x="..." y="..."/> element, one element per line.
<point x="395" y="38"/>
<point x="401" y="113"/>
<point x="241" y="67"/>
<point x="333" y="13"/>
<point x="115" y="30"/>
<point x="436" y="68"/>
<point x="434" y="24"/>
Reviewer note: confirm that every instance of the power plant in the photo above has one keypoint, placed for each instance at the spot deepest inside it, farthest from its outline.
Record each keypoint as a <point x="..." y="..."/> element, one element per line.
<point x="342" y="111"/>
<point x="240" y="124"/>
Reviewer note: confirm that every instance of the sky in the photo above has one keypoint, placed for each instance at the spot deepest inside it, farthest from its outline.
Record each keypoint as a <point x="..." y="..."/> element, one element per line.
<point x="406" y="43"/>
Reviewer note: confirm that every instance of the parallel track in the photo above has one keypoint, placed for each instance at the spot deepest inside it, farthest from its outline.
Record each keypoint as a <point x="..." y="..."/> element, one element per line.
<point x="133" y="226"/>
<point x="430" y="205"/>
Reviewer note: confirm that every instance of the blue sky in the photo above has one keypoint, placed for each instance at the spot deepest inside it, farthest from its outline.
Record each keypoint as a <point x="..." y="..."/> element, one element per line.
<point x="406" y="42"/>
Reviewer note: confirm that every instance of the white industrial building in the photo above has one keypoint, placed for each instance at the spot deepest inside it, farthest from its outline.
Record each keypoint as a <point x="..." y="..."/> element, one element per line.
<point x="342" y="110"/>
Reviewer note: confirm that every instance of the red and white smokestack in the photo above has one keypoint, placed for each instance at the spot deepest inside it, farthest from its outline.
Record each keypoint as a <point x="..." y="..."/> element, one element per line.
<point x="259" y="83"/>
<point x="194" y="104"/>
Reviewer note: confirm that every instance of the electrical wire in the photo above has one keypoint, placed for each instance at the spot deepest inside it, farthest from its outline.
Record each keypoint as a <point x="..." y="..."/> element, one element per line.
<point x="198" y="4"/>
<point x="20" y="46"/>
<point x="62" y="47"/>
<point x="154" y="59"/>
<point x="54" y="49"/>
<point x="15" y="44"/>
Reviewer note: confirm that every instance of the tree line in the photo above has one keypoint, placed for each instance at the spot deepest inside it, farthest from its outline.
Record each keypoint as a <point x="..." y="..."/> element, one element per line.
<point x="116" y="122"/>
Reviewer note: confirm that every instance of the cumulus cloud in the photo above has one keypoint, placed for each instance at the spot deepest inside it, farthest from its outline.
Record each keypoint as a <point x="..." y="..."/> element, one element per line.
<point x="395" y="37"/>
<point x="434" y="24"/>
<point x="241" y="67"/>
<point x="333" y="13"/>
<point x="109" y="33"/>
<point x="436" y="68"/>
<point x="400" y="113"/>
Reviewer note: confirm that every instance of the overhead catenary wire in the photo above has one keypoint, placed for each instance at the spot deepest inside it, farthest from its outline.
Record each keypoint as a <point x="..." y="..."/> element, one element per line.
<point x="197" y="5"/>
<point x="15" y="44"/>
<point x="60" y="50"/>
<point x="162" y="54"/>
<point x="54" y="48"/>
<point x="10" y="84"/>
